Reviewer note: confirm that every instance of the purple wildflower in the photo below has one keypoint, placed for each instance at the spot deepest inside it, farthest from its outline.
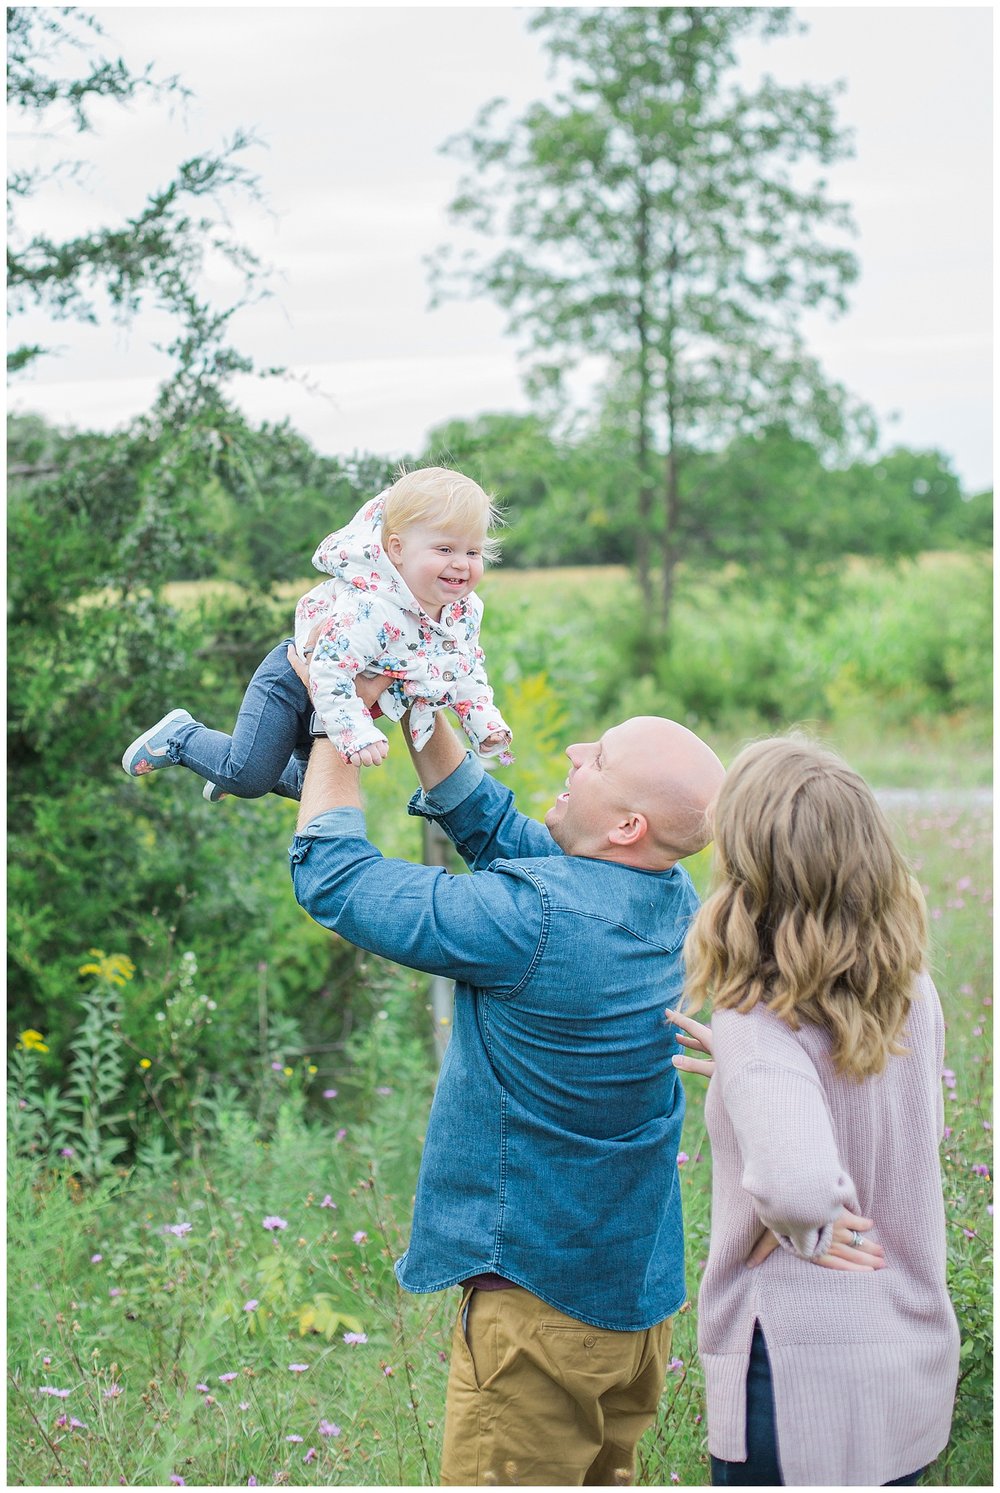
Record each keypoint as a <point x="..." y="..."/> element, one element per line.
<point x="177" y="1480"/>
<point x="981" y="1171"/>
<point x="340" y="1134"/>
<point x="297" y="1368"/>
<point x="295" y="1438"/>
<point x="329" y="1428"/>
<point x="328" y="1202"/>
<point x="67" y="1151"/>
<point x="310" y="1455"/>
<point x="329" y="1093"/>
<point x="113" y="1392"/>
<point x="277" y="1067"/>
<point x="272" y="1221"/>
<point x="355" y="1337"/>
<point x="251" y="1305"/>
<point x="96" y="1259"/>
<point x="202" y="1388"/>
<point x="180" y="1229"/>
<point x="252" y="1482"/>
<point x="360" y="1237"/>
<point x="675" y="1365"/>
<point x="114" y="1291"/>
<point x="227" y="1378"/>
<point x="57" y="1394"/>
<point x="682" y="1156"/>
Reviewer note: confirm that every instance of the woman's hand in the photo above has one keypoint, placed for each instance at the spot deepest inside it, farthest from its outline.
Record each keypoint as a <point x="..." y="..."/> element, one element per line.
<point x="698" y="1036"/>
<point x="843" y="1254"/>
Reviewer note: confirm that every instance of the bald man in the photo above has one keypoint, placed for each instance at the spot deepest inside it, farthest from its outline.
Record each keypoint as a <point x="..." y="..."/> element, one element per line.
<point x="548" y="1189"/>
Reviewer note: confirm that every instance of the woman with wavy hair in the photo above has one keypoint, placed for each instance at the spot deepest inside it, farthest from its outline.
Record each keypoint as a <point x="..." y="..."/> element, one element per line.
<point x="825" y="1115"/>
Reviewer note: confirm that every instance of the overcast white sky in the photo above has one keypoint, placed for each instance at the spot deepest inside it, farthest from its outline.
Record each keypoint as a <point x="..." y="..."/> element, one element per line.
<point x="352" y="105"/>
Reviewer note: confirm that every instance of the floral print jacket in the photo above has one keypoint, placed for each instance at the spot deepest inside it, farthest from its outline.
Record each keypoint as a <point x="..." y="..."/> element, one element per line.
<point x="373" y="624"/>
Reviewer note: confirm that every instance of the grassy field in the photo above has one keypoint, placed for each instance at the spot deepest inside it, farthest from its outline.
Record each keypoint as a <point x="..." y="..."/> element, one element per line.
<point x="894" y="671"/>
<point x="239" y="1319"/>
<point x="231" y="1318"/>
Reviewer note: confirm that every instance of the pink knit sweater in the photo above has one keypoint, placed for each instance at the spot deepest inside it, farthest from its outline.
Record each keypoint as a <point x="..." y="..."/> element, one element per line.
<point x="864" y="1364"/>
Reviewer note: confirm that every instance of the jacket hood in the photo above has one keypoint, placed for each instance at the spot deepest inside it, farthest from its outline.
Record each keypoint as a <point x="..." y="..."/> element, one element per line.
<point x="354" y="554"/>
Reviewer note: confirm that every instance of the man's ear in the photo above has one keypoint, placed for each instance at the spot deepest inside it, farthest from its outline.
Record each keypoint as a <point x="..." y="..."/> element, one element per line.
<point x="630" y="830"/>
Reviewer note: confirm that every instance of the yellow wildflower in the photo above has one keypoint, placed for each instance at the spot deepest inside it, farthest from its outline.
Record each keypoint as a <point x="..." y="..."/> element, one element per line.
<point x="145" y="1063"/>
<point x="117" y="969"/>
<point x="33" y="1041"/>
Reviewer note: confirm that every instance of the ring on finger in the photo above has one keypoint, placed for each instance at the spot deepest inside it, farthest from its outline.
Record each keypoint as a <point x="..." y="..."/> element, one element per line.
<point x="857" y="1239"/>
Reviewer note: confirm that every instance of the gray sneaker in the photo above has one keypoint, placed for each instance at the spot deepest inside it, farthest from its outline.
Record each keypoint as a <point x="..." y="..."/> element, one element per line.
<point x="149" y="751"/>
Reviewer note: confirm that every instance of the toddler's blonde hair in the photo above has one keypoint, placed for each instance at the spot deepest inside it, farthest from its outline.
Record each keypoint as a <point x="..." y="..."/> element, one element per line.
<point x="436" y="495"/>
<point x="814" y="911"/>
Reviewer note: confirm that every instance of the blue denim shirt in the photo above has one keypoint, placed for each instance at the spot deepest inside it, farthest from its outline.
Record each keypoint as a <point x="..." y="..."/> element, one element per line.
<point x="551" y="1148"/>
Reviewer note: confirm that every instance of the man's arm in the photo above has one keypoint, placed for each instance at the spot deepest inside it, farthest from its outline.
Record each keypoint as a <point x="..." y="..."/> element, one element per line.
<point x="330" y="783"/>
<point x="441" y="753"/>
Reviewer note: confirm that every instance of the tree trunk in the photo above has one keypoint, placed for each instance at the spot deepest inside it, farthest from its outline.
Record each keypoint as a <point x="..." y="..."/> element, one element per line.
<point x="668" y="554"/>
<point x="644" y="514"/>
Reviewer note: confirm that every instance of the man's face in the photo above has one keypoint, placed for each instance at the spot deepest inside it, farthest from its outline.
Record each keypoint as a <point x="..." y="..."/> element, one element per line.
<point x="596" y="794"/>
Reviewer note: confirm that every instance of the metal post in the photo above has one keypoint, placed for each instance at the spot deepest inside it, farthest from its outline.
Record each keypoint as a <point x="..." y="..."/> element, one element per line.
<point x="437" y="852"/>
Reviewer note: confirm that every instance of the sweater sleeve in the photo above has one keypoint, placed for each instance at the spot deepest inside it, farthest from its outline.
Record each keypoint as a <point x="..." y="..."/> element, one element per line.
<point x="347" y="644"/>
<point x="791" y="1162"/>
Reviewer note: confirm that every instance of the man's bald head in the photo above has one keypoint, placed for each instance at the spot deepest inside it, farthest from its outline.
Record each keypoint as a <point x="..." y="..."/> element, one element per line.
<point x="639" y="795"/>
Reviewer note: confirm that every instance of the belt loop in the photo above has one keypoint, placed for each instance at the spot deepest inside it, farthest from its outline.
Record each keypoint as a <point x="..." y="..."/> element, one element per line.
<point x="463" y="1310"/>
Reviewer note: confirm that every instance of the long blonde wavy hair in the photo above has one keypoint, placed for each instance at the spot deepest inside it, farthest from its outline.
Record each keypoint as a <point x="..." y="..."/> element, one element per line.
<point x="813" y="911"/>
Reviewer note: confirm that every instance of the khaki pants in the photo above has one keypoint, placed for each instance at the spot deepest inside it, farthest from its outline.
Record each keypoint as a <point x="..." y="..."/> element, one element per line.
<point x="536" y="1397"/>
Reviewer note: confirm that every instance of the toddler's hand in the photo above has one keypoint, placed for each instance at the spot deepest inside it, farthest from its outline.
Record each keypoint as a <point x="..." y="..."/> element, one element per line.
<point x="370" y="756"/>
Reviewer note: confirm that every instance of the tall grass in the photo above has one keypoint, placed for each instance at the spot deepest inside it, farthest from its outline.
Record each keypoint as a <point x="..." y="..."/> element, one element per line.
<point x="224" y="1311"/>
<point x="197" y="1323"/>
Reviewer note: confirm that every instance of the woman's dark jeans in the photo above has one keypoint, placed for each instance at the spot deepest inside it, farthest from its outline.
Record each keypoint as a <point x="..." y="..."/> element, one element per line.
<point x="269" y="747"/>
<point x="761" y="1468"/>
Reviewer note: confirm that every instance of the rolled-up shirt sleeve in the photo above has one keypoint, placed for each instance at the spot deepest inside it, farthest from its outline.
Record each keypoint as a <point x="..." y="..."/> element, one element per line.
<point x="483" y="930"/>
<point x="480" y="817"/>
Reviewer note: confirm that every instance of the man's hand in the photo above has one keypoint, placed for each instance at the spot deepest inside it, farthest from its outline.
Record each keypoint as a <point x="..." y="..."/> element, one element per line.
<point x="843" y="1253"/>
<point x="697" y="1036"/>
<point x="368" y="690"/>
<point x="441" y="753"/>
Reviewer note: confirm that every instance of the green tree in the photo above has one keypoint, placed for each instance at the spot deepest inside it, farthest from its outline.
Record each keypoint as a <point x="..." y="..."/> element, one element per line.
<point x="552" y="489"/>
<point x="156" y="255"/>
<point x="898" y="504"/>
<point x="664" y="217"/>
